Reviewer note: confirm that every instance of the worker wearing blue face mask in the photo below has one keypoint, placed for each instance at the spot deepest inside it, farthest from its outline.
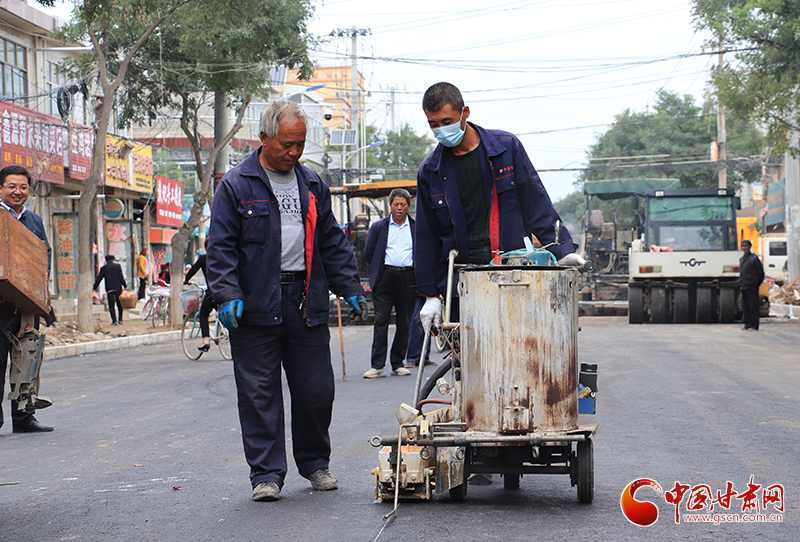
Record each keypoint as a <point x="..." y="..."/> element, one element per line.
<point x="506" y="201"/>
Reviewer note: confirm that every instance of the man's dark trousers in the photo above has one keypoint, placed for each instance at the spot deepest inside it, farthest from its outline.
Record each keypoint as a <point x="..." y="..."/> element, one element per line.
<point x="114" y="304"/>
<point x="258" y="352"/>
<point x="393" y="289"/>
<point x="142" y="287"/>
<point x="750" y="307"/>
<point x="17" y="416"/>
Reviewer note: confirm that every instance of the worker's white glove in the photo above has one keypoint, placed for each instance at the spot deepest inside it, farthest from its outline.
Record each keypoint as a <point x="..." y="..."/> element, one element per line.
<point x="572" y="260"/>
<point x="431" y="312"/>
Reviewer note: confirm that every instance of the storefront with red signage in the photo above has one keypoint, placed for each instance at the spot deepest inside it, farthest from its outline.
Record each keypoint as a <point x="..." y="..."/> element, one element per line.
<point x="169" y="217"/>
<point x="59" y="158"/>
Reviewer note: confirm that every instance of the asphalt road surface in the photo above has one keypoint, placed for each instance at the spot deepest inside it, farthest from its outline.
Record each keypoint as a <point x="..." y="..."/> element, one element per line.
<point x="695" y="404"/>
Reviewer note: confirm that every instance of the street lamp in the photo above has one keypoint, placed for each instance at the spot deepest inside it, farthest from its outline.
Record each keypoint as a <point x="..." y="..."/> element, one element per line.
<point x="346" y="156"/>
<point x="307" y="89"/>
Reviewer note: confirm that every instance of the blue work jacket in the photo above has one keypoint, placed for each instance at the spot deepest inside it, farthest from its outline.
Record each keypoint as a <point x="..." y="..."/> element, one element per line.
<point x="523" y="207"/>
<point x="244" y="250"/>
<point x="375" y="247"/>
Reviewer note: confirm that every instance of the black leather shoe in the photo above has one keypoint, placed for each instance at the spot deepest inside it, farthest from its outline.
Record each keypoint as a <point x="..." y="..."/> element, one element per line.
<point x="32" y="426"/>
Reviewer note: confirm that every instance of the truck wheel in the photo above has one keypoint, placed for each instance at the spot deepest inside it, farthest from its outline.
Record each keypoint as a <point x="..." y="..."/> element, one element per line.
<point x="682" y="313"/>
<point x="705" y="309"/>
<point x="727" y="305"/>
<point x="658" y="305"/>
<point x="635" y="305"/>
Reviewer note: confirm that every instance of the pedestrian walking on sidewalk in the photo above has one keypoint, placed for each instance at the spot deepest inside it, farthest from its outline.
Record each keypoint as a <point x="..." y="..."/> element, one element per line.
<point x="111" y="272"/>
<point x="141" y="272"/>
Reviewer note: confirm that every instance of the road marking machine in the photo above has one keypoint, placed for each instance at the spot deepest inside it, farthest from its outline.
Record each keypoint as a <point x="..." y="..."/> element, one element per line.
<point x="508" y="387"/>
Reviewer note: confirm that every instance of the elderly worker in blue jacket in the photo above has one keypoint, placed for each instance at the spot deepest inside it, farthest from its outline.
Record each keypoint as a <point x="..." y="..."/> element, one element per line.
<point x="477" y="192"/>
<point x="275" y="249"/>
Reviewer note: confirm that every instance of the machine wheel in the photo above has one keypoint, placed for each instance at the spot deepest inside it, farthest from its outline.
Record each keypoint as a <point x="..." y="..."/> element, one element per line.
<point x="191" y="338"/>
<point x="585" y="471"/>
<point x="511" y="481"/>
<point x="658" y="305"/>
<point x="682" y="313"/>
<point x="727" y="305"/>
<point x="705" y="310"/>
<point x="635" y="305"/>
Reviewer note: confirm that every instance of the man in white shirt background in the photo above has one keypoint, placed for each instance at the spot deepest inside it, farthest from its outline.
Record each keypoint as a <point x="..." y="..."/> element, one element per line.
<point x="389" y="251"/>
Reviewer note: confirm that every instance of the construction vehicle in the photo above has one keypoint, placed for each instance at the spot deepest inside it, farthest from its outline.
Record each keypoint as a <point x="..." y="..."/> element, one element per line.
<point x="606" y="239"/>
<point x="684" y="268"/>
<point x="774" y="252"/>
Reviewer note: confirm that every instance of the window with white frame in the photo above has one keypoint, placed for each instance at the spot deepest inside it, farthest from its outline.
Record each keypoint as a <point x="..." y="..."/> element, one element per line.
<point x="14" y="62"/>
<point x="54" y="78"/>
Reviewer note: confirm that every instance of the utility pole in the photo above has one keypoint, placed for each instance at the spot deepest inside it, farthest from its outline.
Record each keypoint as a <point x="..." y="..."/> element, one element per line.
<point x="792" y="200"/>
<point x="355" y="94"/>
<point x="391" y="102"/>
<point x="721" y="135"/>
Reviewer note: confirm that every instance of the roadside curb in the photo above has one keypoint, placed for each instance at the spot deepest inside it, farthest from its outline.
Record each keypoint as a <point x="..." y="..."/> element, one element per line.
<point x="56" y="352"/>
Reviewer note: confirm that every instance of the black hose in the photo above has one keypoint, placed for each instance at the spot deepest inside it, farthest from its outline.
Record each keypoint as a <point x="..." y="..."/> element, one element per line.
<point x="430" y="383"/>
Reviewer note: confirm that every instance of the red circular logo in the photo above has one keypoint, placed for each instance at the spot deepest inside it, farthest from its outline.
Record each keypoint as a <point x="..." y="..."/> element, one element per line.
<point x="641" y="513"/>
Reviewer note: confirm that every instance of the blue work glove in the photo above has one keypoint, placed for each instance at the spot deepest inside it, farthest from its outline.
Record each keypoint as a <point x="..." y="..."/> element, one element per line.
<point x="229" y="312"/>
<point x="359" y="310"/>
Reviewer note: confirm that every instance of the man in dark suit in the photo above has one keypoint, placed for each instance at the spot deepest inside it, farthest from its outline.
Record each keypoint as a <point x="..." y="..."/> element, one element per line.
<point x="389" y="250"/>
<point x="115" y="282"/>
<point x="15" y="182"/>
<point x="751" y="275"/>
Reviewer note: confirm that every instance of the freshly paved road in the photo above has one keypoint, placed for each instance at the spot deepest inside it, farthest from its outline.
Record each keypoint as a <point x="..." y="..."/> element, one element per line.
<point x="696" y="404"/>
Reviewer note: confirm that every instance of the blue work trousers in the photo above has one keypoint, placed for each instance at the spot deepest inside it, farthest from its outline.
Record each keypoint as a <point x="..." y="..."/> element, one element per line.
<point x="258" y="352"/>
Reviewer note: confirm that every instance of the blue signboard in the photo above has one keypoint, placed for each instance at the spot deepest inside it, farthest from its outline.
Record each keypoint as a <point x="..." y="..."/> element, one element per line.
<point x="776" y="206"/>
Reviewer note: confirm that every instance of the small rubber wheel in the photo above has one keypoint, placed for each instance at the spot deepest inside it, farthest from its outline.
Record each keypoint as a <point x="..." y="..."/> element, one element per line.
<point x="585" y="471"/>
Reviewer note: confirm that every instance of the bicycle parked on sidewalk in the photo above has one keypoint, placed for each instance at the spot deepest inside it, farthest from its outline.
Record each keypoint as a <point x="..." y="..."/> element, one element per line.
<point x="156" y="305"/>
<point x="191" y="335"/>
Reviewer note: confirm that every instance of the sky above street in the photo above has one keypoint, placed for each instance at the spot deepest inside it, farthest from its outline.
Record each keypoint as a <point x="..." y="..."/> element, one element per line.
<point x="553" y="72"/>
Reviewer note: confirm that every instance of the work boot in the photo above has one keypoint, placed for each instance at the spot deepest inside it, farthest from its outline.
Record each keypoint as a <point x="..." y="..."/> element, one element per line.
<point x="322" y="480"/>
<point x="401" y="371"/>
<point x="266" y="491"/>
<point x="374" y="373"/>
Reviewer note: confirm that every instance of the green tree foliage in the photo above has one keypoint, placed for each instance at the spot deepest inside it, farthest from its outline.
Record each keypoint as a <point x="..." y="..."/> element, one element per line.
<point x="759" y="80"/>
<point x="401" y="153"/>
<point x="100" y="23"/>
<point x="218" y="46"/>
<point x="675" y="130"/>
<point x="216" y="49"/>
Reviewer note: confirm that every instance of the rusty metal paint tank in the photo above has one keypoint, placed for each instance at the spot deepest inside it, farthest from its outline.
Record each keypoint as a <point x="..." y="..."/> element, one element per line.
<point x="519" y="352"/>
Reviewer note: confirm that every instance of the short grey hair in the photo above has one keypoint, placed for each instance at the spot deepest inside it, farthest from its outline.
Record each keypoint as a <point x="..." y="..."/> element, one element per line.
<point x="400" y="193"/>
<point x="271" y="116"/>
